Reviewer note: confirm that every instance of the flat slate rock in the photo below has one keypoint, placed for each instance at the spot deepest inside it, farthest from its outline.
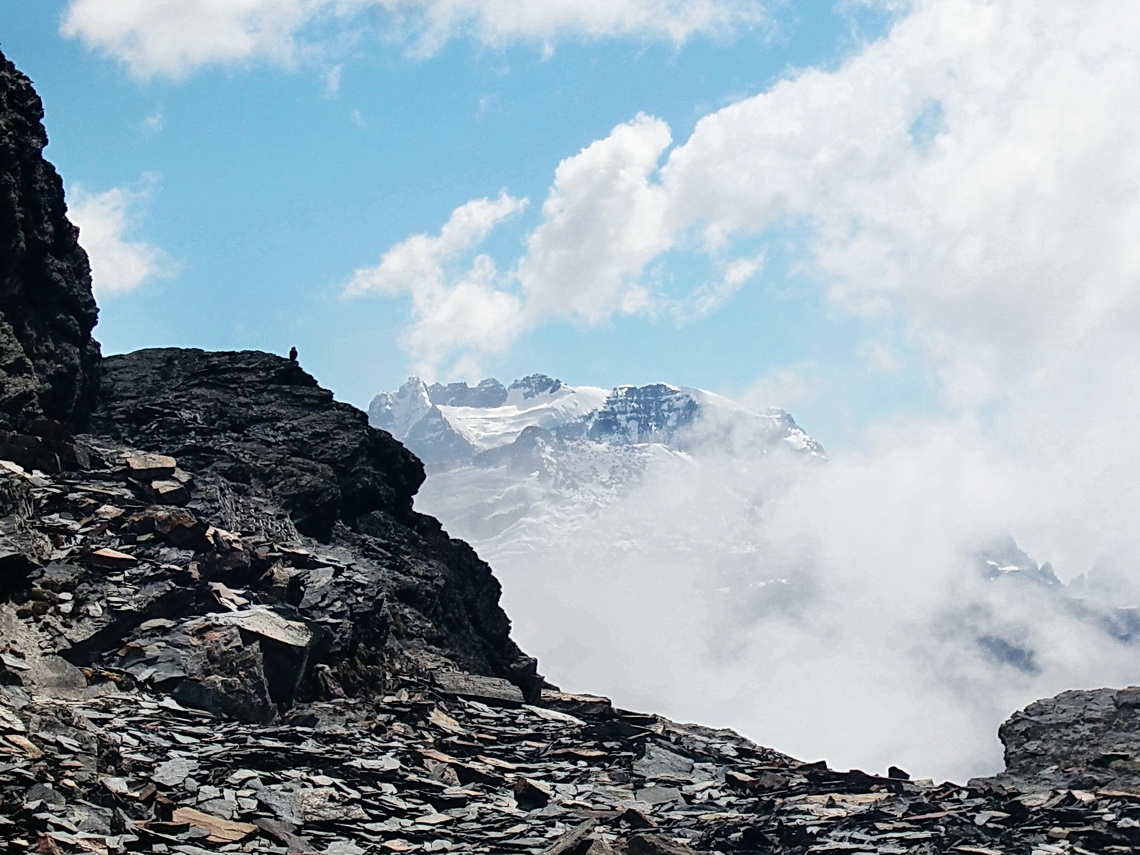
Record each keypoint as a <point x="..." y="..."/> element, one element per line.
<point x="492" y="690"/>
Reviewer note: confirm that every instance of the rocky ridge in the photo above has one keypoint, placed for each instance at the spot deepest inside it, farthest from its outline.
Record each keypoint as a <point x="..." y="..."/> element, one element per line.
<point x="226" y="630"/>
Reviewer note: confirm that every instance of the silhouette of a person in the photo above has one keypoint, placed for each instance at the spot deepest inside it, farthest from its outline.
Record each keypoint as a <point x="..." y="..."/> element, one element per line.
<point x="292" y="354"/>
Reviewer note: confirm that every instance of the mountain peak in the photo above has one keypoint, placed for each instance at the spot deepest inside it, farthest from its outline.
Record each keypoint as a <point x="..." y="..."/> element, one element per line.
<point x="534" y="385"/>
<point x="488" y="393"/>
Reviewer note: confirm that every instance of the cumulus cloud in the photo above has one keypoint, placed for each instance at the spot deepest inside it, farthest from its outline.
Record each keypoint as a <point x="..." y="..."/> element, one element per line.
<point x="105" y="220"/>
<point x="602" y="222"/>
<point x="175" y="37"/>
<point x="966" y="176"/>
<point x="963" y="182"/>
<point x="458" y="302"/>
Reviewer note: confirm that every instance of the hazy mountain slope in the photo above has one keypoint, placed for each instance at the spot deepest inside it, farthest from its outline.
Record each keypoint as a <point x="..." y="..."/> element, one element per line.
<point x="679" y="551"/>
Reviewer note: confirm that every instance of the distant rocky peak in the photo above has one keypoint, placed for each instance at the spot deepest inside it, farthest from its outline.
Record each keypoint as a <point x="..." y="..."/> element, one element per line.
<point x="634" y="414"/>
<point x="397" y="412"/>
<point x="488" y="393"/>
<point x="535" y="385"/>
<point x="1002" y="558"/>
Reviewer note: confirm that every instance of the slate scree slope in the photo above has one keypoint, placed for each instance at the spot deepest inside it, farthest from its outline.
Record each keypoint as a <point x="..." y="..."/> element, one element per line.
<point x="224" y="629"/>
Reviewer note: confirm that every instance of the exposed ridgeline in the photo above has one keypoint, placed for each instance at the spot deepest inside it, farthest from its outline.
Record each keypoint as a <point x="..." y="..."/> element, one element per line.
<point x="275" y="458"/>
<point x="224" y="629"/>
<point x="241" y="541"/>
<point x="48" y="359"/>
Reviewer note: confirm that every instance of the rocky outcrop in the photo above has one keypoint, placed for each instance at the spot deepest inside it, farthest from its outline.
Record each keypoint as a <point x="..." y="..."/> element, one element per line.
<point x="244" y="621"/>
<point x="1078" y="740"/>
<point x="277" y="460"/>
<point x="262" y="424"/>
<point x="48" y="359"/>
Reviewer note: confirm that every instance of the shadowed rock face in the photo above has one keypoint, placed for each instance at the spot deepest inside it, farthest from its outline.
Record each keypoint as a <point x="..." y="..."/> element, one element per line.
<point x="260" y="437"/>
<point x="48" y="359"/>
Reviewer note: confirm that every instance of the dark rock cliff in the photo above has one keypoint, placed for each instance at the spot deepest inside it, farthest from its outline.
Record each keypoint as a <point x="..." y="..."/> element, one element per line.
<point x="259" y="433"/>
<point x="48" y="359"/>
<point x="259" y="421"/>
<point x="260" y="484"/>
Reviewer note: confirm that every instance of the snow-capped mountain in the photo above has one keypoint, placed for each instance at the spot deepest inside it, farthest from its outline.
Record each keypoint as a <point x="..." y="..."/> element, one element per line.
<point x="448" y="425"/>
<point x="512" y="465"/>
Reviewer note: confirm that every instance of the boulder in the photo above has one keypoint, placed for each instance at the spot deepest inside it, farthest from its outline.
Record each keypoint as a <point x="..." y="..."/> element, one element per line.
<point x="1078" y="739"/>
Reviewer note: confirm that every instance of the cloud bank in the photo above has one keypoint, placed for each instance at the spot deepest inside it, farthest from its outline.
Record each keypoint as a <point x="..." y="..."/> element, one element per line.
<point x="842" y="610"/>
<point x="173" y="38"/>
<point x="105" y="220"/>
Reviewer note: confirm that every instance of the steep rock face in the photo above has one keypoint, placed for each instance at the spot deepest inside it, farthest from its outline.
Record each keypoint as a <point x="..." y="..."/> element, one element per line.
<point x="1077" y="739"/>
<point x="656" y="413"/>
<point x="48" y="359"/>
<point x="534" y="385"/>
<point x="488" y="393"/>
<point x="259" y="434"/>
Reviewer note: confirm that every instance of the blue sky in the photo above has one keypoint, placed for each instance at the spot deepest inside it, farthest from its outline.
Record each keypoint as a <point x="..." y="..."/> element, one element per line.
<point x="263" y="185"/>
<point x="867" y="211"/>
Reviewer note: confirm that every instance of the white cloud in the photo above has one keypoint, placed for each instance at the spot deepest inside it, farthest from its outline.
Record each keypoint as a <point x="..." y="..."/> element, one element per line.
<point x="707" y="298"/>
<point x="832" y="610"/>
<point x="105" y="221"/>
<point x="1002" y="239"/>
<point x="175" y="37"/>
<point x="602" y="222"/>
<point x="966" y="177"/>
<point x="332" y="80"/>
<point x="458" y="303"/>
<point x="498" y="21"/>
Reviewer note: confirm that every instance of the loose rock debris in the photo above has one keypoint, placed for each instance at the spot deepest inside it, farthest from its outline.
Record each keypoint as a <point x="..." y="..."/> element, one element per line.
<point x="423" y="770"/>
